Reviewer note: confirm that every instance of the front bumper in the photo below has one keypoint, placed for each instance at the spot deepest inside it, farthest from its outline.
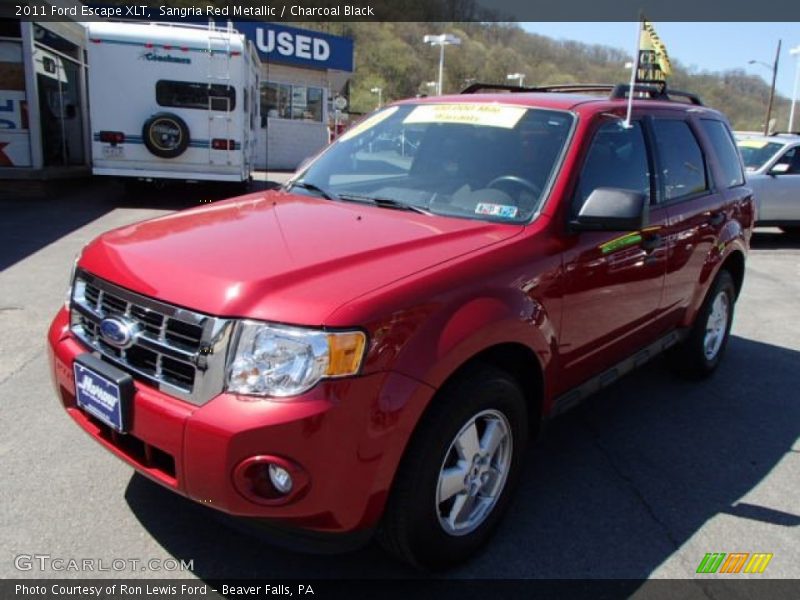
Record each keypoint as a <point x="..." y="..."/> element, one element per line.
<point x="347" y="435"/>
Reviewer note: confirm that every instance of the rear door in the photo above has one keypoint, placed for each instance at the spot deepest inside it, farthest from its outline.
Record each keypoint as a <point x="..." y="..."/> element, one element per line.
<point x="613" y="280"/>
<point x="700" y="195"/>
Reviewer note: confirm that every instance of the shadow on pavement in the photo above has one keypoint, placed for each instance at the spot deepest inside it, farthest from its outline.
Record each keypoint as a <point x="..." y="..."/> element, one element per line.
<point x="774" y="239"/>
<point x="612" y="490"/>
<point x="35" y="216"/>
<point x="31" y="221"/>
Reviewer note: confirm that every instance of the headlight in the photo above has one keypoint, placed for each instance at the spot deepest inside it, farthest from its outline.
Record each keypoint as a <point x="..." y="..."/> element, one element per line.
<point x="282" y="361"/>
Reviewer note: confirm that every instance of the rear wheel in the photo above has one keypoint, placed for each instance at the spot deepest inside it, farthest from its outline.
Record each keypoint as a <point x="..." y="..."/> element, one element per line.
<point x="456" y="478"/>
<point x="699" y="355"/>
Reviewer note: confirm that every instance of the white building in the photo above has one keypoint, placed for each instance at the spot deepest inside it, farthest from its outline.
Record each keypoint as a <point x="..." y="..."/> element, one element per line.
<point x="301" y="72"/>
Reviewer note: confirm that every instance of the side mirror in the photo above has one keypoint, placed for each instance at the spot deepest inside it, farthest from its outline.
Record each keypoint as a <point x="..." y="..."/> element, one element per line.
<point x="612" y="209"/>
<point x="779" y="169"/>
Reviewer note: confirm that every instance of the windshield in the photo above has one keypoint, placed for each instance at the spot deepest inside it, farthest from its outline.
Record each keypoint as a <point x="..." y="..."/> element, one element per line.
<point x="756" y="153"/>
<point x="477" y="161"/>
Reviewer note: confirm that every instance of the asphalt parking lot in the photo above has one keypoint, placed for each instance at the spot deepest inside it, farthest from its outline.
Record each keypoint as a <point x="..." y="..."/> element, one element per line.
<point x="640" y="482"/>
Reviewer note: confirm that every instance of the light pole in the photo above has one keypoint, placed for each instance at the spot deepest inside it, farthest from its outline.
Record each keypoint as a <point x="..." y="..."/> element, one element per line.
<point x="445" y="39"/>
<point x="379" y="91"/>
<point x="518" y="76"/>
<point x="774" y="68"/>
<point x="796" y="52"/>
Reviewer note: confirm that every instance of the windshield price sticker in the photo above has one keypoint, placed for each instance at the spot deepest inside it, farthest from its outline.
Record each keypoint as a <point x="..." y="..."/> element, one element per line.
<point x="367" y="123"/>
<point x="490" y="115"/>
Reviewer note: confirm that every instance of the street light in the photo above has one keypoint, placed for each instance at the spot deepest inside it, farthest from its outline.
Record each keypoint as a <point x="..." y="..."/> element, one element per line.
<point x="796" y="52"/>
<point x="379" y="91"/>
<point x="445" y="39"/>
<point x="518" y="76"/>
<point x="774" y="68"/>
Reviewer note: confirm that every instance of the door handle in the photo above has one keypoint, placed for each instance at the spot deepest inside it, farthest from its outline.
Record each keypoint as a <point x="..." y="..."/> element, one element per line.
<point x="651" y="242"/>
<point x="716" y="219"/>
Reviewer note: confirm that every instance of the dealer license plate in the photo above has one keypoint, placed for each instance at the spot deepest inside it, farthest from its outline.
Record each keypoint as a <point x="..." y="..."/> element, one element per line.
<point x="100" y="397"/>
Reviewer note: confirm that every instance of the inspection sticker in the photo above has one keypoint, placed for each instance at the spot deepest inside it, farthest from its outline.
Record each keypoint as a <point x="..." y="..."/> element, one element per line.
<point x="496" y="210"/>
<point x="368" y="123"/>
<point x="491" y="115"/>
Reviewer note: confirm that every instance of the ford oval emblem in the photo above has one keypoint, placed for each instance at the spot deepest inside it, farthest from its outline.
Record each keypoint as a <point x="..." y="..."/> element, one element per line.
<point x="118" y="332"/>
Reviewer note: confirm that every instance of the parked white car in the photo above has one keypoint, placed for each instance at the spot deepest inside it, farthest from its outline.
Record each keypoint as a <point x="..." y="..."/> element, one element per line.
<point x="773" y="172"/>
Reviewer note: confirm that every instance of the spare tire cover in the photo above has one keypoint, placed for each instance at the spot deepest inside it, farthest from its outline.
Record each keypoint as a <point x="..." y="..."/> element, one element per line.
<point x="166" y="135"/>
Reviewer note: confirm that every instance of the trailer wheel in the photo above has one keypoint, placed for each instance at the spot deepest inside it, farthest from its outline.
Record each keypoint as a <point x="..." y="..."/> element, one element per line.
<point x="166" y="135"/>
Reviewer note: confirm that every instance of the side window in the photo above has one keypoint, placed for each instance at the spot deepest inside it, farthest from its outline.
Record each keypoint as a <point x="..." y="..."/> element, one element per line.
<point x="791" y="158"/>
<point x="202" y="96"/>
<point x="727" y="155"/>
<point x="683" y="168"/>
<point x="617" y="158"/>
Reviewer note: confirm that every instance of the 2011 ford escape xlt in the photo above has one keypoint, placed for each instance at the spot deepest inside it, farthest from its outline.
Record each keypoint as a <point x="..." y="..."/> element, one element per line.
<point x="371" y="347"/>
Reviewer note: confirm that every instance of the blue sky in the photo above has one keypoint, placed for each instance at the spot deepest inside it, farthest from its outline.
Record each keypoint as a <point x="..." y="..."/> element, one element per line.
<point x="706" y="46"/>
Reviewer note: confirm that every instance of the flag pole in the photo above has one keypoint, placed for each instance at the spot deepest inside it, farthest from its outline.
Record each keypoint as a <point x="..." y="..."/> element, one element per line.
<point x="634" y="71"/>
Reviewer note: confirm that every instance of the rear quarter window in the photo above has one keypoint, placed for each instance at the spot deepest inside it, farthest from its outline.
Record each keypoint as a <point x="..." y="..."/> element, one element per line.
<point x="727" y="154"/>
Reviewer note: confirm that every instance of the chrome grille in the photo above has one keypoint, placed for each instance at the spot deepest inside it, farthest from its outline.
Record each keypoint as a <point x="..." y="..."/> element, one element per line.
<point x="181" y="352"/>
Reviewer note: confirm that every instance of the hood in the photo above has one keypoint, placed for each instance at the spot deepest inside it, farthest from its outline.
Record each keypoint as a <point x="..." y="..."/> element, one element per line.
<point x="278" y="256"/>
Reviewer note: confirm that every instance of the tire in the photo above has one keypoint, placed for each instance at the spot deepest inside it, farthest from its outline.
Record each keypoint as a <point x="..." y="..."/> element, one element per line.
<point x="416" y="527"/>
<point x="699" y="355"/>
<point x="166" y="135"/>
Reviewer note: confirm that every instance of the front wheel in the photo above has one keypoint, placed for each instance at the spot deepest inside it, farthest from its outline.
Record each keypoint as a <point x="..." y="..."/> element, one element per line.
<point x="456" y="478"/>
<point x="699" y="355"/>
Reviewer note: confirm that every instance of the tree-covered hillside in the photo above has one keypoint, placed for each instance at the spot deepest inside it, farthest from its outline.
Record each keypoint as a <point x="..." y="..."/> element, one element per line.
<point x="393" y="57"/>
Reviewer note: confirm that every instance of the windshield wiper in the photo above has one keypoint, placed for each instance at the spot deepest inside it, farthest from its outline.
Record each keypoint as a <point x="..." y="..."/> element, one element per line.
<point x="314" y="188"/>
<point x="385" y="203"/>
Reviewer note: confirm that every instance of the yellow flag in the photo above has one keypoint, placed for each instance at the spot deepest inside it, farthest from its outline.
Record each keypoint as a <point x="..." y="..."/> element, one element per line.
<point x="654" y="65"/>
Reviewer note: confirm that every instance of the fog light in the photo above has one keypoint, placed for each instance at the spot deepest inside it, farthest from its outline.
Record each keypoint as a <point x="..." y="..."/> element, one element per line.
<point x="270" y="480"/>
<point x="280" y="478"/>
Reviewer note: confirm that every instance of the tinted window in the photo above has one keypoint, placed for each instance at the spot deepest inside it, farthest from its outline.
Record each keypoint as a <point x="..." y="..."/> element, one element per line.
<point x="188" y="94"/>
<point x="726" y="152"/>
<point x="617" y="158"/>
<point x="682" y="166"/>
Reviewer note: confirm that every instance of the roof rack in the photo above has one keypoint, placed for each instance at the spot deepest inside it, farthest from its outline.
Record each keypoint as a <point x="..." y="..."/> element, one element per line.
<point x="615" y="91"/>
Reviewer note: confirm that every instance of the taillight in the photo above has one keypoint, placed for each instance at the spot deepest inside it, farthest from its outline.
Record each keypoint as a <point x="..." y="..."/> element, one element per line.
<point x="112" y="137"/>
<point x="220" y="144"/>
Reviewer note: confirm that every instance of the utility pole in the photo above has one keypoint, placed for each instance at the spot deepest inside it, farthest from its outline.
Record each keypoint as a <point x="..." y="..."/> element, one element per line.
<point x="772" y="89"/>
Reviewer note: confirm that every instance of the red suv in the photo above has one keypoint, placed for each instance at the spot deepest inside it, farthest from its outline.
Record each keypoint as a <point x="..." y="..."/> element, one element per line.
<point x="371" y="347"/>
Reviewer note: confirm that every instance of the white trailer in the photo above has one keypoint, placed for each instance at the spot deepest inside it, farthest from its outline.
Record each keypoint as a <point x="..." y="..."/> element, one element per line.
<point x="172" y="101"/>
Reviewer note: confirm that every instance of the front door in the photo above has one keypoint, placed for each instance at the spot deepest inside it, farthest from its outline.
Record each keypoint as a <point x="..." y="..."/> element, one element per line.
<point x="780" y="200"/>
<point x="613" y="280"/>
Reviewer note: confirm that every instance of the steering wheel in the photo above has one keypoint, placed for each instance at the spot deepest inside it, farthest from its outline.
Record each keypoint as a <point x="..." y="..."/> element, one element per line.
<point x="521" y="181"/>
